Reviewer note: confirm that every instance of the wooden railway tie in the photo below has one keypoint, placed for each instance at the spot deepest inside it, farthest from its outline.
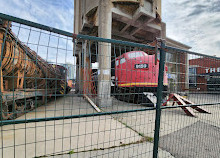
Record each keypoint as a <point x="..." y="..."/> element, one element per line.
<point x="183" y="101"/>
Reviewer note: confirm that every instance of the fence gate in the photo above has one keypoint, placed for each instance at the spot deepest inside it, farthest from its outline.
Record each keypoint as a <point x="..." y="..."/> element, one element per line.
<point x="68" y="95"/>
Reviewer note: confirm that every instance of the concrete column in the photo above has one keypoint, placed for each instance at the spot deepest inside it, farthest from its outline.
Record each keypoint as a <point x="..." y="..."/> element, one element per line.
<point x="86" y="68"/>
<point x="104" y="31"/>
<point x="82" y="68"/>
<point x="77" y="76"/>
<point x="80" y="72"/>
<point x="163" y="31"/>
<point x="77" y="20"/>
<point x="187" y="73"/>
<point x="77" y="16"/>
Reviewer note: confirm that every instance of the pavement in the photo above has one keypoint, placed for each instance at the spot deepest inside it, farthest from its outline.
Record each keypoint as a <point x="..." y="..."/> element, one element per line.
<point x="140" y="150"/>
<point x="199" y="140"/>
<point x="54" y="137"/>
<point x="118" y="135"/>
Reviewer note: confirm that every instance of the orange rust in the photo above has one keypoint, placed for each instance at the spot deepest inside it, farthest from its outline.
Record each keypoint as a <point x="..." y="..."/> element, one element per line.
<point x="19" y="61"/>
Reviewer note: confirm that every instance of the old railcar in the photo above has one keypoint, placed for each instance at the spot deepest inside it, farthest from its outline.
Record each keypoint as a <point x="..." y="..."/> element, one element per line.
<point x="25" y="76"/>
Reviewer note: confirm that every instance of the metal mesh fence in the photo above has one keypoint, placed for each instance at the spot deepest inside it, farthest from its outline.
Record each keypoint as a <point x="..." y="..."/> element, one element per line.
<point x="68" y="95"/>
<point x="193" y="81"/>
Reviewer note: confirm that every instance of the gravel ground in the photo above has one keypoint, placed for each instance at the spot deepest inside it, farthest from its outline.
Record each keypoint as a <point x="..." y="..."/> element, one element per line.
<point x="200" y="140"/>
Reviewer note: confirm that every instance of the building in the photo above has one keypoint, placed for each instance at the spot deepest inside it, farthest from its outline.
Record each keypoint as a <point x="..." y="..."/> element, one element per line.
<point x="133" y="20"/>
<point x="128" y="20"/>
<point x="178" y="66"/>
<point x="204" y="74"/>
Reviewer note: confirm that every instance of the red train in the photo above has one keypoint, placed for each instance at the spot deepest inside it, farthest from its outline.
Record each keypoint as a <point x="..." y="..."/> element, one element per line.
<point x="136" y="72"/>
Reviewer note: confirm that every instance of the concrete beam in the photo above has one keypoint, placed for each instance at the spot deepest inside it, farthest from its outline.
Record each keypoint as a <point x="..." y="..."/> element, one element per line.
<point x="134" y="21"/>
<point x="127" y="36"/>
<point x="135" y="31"/>
<point x="154" y="26"/>
<point x="123" y="30"/>
<point x="117" y="11"/>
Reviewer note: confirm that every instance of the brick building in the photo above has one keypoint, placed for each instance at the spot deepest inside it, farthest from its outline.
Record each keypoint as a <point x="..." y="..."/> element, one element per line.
<point x="204" y="74"/>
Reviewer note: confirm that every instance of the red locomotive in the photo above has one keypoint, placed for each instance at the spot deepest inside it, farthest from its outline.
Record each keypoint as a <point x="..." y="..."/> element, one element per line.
<point x="136" y="72"/>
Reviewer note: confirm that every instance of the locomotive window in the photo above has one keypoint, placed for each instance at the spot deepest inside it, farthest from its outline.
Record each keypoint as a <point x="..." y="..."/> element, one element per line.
<point x="117" y="62"/>
<point x="135" y="55"/>
<point x="122" y="60"/>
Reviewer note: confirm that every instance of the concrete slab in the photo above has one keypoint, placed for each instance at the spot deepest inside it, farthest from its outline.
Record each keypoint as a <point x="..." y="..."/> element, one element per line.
<point x="43" y="138"/>
<point x="199" y="140"/>
<point x="143" y="122"/>
<point x="141" y="150"/>
<point x="204" y="98"/>
<point x="61" y="106"/>
<point x="37" y="139"/>
<point x="171" y="119"/>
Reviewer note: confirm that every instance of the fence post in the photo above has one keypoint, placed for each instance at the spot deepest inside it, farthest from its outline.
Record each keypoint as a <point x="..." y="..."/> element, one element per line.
<point x="159" y="99"/>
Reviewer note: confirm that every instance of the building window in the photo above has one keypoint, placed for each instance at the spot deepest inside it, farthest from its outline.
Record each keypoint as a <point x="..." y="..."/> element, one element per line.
<point x="192" y="77"/>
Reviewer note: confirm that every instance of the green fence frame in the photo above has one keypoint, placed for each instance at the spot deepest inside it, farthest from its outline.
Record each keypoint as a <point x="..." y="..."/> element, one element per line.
<point x="158" y="107"/>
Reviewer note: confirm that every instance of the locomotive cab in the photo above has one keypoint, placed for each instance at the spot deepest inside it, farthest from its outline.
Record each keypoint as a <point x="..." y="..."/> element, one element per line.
<point x="137" y="72"/>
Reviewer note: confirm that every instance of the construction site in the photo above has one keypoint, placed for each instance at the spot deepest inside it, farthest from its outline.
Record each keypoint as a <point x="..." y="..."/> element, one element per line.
<point x="116" y="86"/>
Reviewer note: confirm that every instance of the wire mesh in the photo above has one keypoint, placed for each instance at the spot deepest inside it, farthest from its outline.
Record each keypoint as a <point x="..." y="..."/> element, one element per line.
<point x="67" y="95"/>
<point x="56" y="101"/>
<point x="190" y="120"/>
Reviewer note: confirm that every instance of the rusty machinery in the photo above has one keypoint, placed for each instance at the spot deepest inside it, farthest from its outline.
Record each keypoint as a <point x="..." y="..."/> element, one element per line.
<point x="25" y="76"/>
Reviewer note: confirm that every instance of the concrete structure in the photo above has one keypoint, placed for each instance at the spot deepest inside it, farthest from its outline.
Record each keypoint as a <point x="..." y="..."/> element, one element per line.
<point x="133" y="20"/>
<point x="129" y="20"/>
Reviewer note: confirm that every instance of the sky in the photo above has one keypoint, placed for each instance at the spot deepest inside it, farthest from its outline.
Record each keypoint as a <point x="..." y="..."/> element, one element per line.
<point x="55" y="13"/>
<point x="195" y="23"/>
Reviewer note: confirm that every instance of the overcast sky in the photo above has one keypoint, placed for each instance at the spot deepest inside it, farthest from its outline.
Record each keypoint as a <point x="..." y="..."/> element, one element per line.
<point x="55" y="13"/>
<point x="195" y="23"/>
